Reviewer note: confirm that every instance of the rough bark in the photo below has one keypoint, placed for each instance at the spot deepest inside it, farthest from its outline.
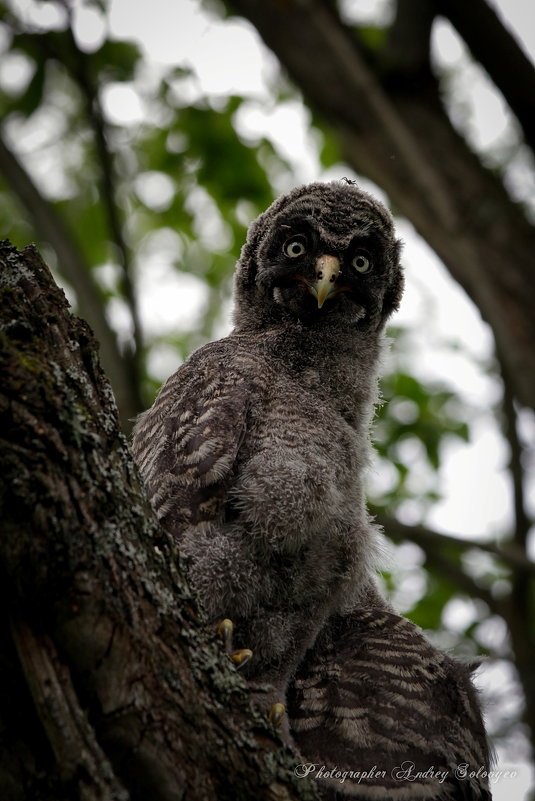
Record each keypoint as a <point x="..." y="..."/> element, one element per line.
<point x="389" y="119"/>
<point x="112" y="688"/>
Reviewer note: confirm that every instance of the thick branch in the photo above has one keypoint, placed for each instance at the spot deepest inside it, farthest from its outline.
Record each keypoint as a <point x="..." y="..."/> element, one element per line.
<point x="81" y="761"/>
<point x="71" y="264"/>
<point x="408" y="47"/>
<point x="499" y="53"/>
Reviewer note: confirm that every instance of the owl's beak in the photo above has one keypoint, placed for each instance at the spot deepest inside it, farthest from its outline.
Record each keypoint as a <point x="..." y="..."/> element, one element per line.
<point x="327" y="269"/>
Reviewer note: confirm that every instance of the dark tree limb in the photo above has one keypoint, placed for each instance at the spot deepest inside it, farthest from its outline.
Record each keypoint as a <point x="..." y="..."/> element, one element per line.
<point x="522" y="600"/>
<point x="123" y="693"/>
<point x="80" y="760"/>
<point x="499" y="53"/>
<point x="409" y="37"/>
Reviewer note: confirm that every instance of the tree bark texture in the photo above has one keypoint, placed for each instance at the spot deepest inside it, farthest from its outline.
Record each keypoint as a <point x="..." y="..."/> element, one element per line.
<point x="111" y="686"/>
<point x="385" y="110"/>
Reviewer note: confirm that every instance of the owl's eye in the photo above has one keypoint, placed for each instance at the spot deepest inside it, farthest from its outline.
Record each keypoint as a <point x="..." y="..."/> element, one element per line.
<point x="361" y="262"/>
<point x="295" y="247"/>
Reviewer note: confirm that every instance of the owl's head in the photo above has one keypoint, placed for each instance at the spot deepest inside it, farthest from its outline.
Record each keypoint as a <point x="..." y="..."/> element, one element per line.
<point x="323" y="251"/>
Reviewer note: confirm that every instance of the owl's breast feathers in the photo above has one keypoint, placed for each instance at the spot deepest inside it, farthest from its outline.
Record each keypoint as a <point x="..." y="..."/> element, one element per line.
<point x="240" y="429"/>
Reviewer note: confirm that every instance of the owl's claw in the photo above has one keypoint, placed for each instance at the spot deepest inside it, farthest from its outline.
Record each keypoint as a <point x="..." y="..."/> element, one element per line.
<point x="225" y="630"/>
<point x="276" y="714"/>
<point x="240" y="658"/>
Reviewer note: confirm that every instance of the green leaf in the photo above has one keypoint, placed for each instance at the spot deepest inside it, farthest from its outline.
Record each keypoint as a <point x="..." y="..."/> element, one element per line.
<point x="373" y="37"/>
<point x="114" y="61"/>
<point x="427" y="613"/>
<point x="226" y="166"/>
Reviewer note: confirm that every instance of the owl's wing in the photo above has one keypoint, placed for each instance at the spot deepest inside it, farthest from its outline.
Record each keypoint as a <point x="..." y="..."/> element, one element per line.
<point x="373" y="696"/>
<point x="186" y="444"/>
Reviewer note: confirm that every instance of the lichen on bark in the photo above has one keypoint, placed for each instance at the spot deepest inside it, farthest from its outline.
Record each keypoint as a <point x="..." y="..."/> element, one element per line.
<point x="115" y="689"/>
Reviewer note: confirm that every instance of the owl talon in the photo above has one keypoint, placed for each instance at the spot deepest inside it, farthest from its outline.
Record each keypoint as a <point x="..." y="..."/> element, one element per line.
<point x="276" y="714"/>
<point x="240" y="658"/>
<point x="224" y="630"/>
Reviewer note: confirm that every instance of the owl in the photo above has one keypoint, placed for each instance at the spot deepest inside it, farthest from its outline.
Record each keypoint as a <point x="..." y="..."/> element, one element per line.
<point x="254" y="451"/>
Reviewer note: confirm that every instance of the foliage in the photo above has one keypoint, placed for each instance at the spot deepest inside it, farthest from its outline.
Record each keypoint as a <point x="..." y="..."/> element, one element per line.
<point x="193" y="151"/>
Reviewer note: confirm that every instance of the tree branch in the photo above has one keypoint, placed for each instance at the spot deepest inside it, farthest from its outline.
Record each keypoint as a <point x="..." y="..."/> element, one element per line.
<point x="499" y="53"/>
<point x="408" y="45"/>
<point x="82" y="762"/>
<point x="520" y="607"/>
<point x="435" y="546"/>
<point x="522" y="523"/>
<point x="71" y="264"/>
<point x="510" y="554"/>
<point x="78" y="67"/>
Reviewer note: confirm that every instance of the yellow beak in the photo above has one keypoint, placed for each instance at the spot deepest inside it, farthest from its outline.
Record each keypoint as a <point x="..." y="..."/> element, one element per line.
<point x="327" y="271"/>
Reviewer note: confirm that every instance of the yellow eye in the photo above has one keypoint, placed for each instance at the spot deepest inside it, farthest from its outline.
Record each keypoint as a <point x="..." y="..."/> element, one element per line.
<point x="361" y="263"/>
<point x="295" y="247"/>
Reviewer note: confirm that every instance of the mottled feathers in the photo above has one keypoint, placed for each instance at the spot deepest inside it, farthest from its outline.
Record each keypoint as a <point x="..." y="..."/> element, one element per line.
<point x="253" y="457"/>
<point x="399" y="717"/>
<point x="254" y="451"/>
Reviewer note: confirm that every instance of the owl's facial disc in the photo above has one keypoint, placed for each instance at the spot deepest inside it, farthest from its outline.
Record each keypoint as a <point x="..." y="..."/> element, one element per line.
<point x="327" y="270"/>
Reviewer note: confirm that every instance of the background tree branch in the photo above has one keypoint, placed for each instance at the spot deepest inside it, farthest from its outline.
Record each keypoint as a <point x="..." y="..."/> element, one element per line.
<point x="50" y="227"/>
<point x="80" y="71"/>
<point x="499" y="53"/>
<point x="508" y="553"/>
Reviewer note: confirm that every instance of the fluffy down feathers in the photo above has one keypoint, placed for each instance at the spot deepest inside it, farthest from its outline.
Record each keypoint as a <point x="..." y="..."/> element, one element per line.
<point x="254" y="451"/>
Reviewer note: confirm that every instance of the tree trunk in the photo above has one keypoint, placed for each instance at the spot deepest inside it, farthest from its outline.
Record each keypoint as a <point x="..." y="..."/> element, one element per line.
<point x="112" y="688"/>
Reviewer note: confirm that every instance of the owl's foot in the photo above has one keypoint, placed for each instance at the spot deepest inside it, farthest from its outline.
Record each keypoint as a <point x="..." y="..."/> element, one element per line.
<point x="225" y="630"/>
<point x="276" y="714"/>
